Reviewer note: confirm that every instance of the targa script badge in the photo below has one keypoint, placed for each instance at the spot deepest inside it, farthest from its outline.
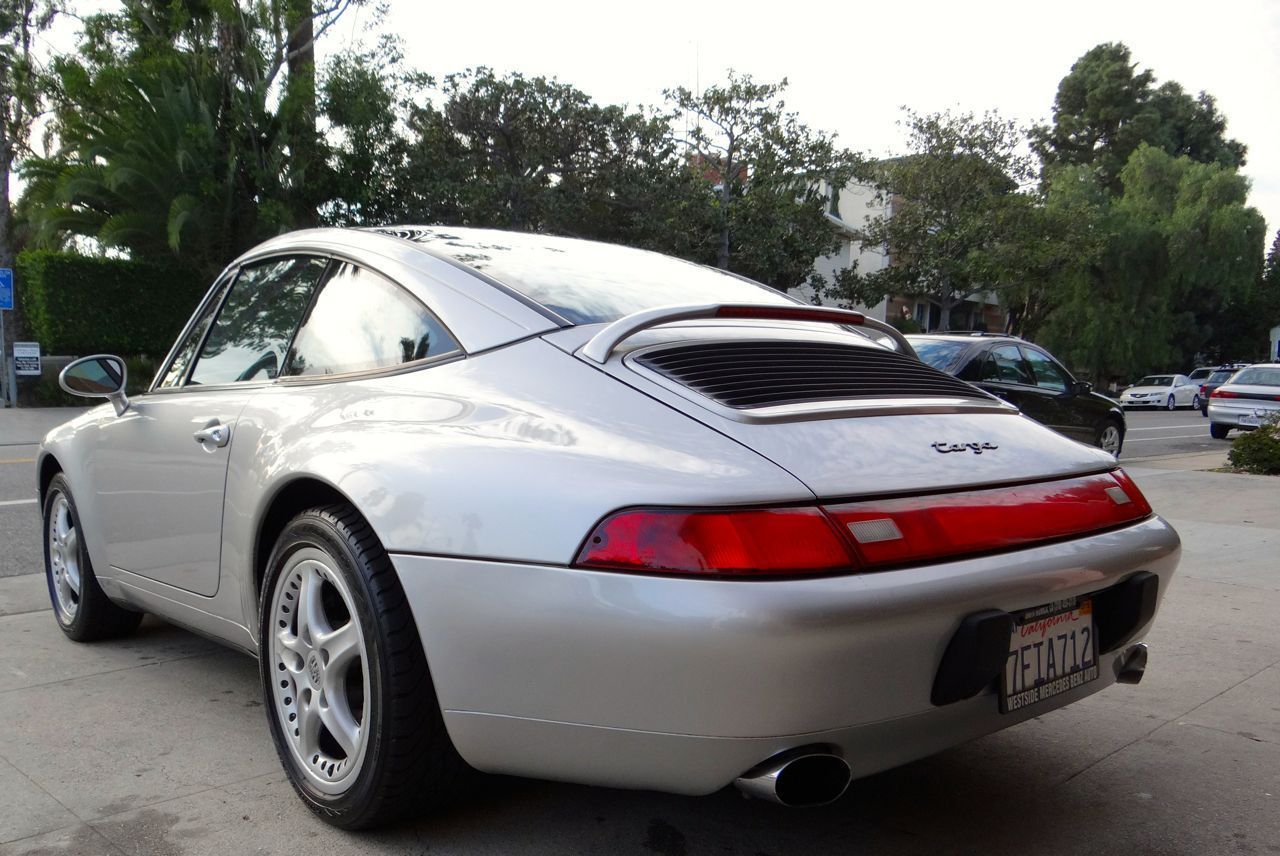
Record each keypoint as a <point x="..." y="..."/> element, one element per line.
<point x="976" y="448"/>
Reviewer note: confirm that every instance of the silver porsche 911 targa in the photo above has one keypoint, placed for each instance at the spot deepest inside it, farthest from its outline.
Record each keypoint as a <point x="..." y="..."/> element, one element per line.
<point x="560" y="509"/>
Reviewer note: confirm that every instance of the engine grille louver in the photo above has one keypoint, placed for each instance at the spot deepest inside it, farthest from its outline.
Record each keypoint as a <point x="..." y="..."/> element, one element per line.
<point x="746" y="375"/>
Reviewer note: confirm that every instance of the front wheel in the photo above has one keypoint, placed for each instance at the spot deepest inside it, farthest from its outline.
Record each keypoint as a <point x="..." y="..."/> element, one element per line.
<point x="1109" y="438"/>
<point x="1218" y="431"/>
<point x="82" y="609"/>
<point x="1195" y="402"/>
<point x="349" y="699"/>
<point x="1171" y="404"/>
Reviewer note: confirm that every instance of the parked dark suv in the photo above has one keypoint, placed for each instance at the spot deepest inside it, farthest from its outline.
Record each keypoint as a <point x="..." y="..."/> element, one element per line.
<point x="1027" y="376"/>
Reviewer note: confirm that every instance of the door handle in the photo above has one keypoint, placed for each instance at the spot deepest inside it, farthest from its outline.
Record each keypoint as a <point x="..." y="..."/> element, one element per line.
<point x="214" y="434"/>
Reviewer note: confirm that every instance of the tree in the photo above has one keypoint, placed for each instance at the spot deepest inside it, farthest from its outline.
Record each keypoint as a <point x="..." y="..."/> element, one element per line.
<point x="20" y="22"/>
<point x="956" y="217"/>
<point x="1177" y="246"/>
<point x="535" y="154"/>
<point x="175" y="136"/>
<point x="771" y="176"/>
<point x="1105" y="109"/>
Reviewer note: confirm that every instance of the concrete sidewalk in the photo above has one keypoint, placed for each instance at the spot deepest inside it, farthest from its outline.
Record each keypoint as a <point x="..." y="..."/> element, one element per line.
<point x="158" y="744"/>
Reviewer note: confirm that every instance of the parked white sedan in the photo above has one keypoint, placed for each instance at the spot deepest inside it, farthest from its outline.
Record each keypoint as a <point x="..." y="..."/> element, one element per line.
<point x="1169" y="391"/>
<point x="489" y="499"/>
<point x="1248" y="400"/>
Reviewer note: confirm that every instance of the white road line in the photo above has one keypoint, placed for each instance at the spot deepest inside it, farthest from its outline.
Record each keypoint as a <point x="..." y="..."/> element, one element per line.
<point x="1168" y="427"/>
<point x="17" y="501"/>
<point x="1127" y="441"/>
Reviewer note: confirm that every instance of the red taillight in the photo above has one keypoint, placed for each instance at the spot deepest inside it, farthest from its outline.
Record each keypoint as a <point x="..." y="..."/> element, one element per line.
<point x="1203" y="391"/>
<point x="1224" y="393"/>
<point x="916" y="529"/>
<point x="860" y="535"/>
<point x="736" y="543"/>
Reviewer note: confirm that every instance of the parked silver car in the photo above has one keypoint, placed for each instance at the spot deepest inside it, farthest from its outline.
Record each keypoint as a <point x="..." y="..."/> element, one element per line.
<point x="1248" y="399"/>
<point x="553" y="508"/>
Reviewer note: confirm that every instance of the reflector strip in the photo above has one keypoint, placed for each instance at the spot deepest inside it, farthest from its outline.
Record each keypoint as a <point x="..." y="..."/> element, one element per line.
<point x="957" y="524"/>
<point x="871" y="531"/>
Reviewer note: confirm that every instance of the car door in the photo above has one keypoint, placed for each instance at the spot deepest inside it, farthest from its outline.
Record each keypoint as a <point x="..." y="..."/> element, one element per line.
<point x="161" y="468"/>
<point x="1056" y="390"/>
<point x="1003" y="372"/>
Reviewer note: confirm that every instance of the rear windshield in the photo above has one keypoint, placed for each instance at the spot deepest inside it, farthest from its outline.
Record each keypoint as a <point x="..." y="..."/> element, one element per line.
<point x="1259" y="376"/>
<point x="1156" y="380"/>
<point x="1220" y="377"/>
<point x="939" y="353"/>
<point x="586" y="282"/>
<point x="1200" y="374"/>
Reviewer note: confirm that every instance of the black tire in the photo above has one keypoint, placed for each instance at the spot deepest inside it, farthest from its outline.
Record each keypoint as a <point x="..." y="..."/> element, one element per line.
<point x="1171" y="404"/>
<point x="94" y="616"/>
<point x="1195" y="402"/>
<point x="1099" y="435"/>
<point x="1218" y="431"/>
<point x="1204" y="410"/>
<point x="408" y="763"/>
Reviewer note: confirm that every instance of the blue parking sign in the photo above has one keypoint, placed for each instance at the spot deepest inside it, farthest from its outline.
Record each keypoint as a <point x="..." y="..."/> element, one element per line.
<point x="6" y="288"/>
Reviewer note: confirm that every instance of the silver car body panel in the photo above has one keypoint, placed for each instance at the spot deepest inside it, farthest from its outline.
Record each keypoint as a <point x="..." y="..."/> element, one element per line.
<point x="483" y="473"/>
<point x="661" y="673"/>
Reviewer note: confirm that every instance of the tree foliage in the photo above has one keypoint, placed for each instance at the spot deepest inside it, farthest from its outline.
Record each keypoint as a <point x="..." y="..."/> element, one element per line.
<point x="1176" y="246"/>
<point x="176" y="137"/>
<point x="957" y="225"/>
<point x="1106" y="108"/>
<point x="771" y="175"/>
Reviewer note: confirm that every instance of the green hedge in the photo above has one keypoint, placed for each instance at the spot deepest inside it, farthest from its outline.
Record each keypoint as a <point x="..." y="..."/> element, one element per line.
<point x="77" y="305"/>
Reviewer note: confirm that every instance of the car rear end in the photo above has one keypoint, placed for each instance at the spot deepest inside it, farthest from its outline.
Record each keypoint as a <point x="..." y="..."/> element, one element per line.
<point x="1250" y="399"/>
<point x="859" y="561"/>
<point x="959" y="569"/>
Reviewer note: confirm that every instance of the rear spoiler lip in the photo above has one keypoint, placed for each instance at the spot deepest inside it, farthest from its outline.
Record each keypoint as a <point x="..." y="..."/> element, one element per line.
<point x="603" y="343"/>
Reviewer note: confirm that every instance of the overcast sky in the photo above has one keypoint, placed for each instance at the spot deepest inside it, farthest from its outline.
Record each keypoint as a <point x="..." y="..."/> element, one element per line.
<point x="852" y="65"/>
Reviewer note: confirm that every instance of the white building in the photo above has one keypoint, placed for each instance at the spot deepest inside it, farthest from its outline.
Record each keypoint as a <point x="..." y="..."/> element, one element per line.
<point x="850" y="209"/>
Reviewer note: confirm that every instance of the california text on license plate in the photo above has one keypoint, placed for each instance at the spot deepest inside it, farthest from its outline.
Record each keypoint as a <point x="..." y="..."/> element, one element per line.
<point x="1052" y="650"/>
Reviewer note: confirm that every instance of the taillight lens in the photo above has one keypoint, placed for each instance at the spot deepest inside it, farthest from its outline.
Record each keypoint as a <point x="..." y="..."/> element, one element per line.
<point x="916" y="529"/>
<point x="1226" y="393"/>
<point x="860" y="535"/>
<point x="757" y="542"/>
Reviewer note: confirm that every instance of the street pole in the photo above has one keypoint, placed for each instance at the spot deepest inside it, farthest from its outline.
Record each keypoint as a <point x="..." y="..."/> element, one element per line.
<point x="6" y="383"/>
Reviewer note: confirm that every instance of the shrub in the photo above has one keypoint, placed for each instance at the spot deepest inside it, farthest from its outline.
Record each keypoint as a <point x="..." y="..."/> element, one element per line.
<point x="1258" y="451"/>
<point x="78" y="305"/>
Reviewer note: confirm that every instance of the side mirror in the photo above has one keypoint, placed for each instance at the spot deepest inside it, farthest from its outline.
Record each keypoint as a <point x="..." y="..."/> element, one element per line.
<point x="99" y="376"/>
<point x="1083" y="387"/>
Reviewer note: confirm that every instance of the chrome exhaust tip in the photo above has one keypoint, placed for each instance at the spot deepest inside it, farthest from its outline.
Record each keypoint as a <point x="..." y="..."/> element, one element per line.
<point x="799" y="778"/>
<point x="1131" y="664"/>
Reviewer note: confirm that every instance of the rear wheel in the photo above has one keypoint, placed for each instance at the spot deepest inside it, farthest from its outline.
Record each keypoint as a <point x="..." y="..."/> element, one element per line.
<point x="1109" y="437"/>
<point x="1218" y="431"/>
<point x="350" y="702"/>
<point x="82" y="609"/>
<point x="1195" y="402"/>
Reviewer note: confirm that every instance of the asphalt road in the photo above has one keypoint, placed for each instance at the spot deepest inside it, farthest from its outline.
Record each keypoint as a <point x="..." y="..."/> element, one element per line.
<point x="19" y="515"/>
<point x="1158" y="432"/>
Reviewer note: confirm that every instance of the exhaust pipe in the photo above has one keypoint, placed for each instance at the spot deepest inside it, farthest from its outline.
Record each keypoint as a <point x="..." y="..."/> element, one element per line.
<point x="804" y="777"/>
<point x="1131" y="664"/>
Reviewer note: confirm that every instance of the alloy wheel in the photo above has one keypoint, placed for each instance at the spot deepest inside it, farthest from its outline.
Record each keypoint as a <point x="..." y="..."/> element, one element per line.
<point x="320" y="671"/>
<point x="1172" y="404"/>
<point x="64" y="559"/>
<point x="1109" y="439"/>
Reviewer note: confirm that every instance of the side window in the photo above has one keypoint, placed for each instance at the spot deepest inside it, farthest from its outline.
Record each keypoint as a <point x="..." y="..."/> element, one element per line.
<point x="363" y="321"/>
<point x="1049" y="375"/>
<point x="249" y="338"/>
<point x="1004" y="365"/>
<point x="186" y="353"/>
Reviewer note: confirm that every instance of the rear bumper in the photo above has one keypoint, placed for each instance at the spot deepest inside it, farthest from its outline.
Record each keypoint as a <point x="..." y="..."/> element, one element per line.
<point x="681" y="685"/>
<point x="1228" y="411"/>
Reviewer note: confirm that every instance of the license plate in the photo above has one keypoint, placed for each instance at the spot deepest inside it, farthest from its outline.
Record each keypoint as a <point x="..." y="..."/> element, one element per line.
<point x="1052" y="649"/>
<point x="1248" y="419"/>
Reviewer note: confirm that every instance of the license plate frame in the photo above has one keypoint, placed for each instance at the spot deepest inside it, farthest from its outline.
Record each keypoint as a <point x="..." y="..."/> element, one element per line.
<point x="1070" y="660"/>
<point x="1250" y="420"/>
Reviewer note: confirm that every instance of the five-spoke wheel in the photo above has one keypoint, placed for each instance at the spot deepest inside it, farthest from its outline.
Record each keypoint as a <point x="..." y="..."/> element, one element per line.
<point x="64" y="558"/>
<point x="350" y="701"/>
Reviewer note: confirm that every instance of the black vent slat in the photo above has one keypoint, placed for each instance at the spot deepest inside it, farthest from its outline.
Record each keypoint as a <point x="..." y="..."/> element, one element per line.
<point x="768" y="374"/>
